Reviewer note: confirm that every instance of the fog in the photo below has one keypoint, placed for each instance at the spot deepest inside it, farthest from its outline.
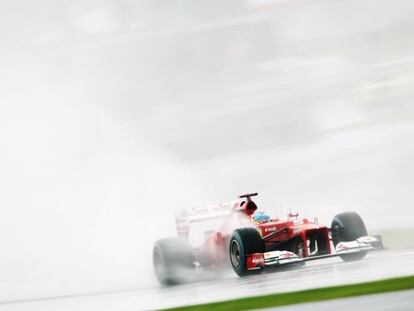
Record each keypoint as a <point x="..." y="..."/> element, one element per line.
<point x="83" y="202"/>
<point x="114" y="114"/>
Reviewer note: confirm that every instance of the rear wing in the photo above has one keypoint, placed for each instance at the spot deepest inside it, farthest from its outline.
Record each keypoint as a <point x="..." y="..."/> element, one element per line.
<point x="185" y="217"/>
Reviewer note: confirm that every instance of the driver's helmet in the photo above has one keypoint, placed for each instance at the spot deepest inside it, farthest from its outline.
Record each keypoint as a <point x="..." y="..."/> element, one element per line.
<point x="260" y="216"/>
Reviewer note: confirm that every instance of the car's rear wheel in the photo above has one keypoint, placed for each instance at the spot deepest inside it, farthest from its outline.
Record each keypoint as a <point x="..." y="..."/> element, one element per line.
<point x="173" y="261"/>
<point x="244" y="241"/>
<point x="346" y="227"/>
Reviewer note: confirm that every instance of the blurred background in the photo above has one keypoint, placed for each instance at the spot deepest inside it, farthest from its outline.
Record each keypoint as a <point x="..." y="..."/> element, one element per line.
<point x="114" y="114"/>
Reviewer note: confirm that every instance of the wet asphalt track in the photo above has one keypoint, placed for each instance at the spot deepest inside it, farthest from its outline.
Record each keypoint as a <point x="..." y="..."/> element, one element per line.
<point x="326" y="272"/>
<point x="401" y="301"/>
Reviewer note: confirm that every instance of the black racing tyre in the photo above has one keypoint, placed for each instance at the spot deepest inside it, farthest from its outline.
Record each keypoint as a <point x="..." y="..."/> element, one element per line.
<point x="243" y="242"/>
<point x="346" y="227"/>
<point x="173" y="261"/>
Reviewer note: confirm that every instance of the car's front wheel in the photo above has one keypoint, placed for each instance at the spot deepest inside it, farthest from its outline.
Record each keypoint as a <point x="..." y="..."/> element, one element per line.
<point x="244" y="241"/>
<point x="346" y="227"/>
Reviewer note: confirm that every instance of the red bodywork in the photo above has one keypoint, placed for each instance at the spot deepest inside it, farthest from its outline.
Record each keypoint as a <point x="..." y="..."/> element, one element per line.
<point x="292" y="234"/>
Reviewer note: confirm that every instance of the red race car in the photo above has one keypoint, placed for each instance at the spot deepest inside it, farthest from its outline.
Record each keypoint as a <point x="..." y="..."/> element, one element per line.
<point x="237" y="234"/>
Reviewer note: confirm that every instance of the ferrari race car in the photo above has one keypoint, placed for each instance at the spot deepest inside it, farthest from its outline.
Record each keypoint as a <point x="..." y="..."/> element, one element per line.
<point x="239" y="236"/>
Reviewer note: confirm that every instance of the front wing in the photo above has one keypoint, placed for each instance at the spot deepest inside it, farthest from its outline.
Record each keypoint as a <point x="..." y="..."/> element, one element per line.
<point x="258" y="261"/>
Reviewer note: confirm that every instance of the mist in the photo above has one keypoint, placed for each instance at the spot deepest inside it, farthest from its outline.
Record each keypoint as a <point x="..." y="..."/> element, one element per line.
<point x="82" y="202"/>
<point x="115" y="114"/>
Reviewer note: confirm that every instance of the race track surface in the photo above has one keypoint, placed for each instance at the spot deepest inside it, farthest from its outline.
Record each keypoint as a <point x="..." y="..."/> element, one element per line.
<point x="319" y="273"/>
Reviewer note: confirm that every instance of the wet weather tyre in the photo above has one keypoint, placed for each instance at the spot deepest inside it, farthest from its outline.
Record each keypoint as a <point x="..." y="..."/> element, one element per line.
<point x="173" y="261"/>
<point x="346" y="227"/>
<point x="243" y="242"/>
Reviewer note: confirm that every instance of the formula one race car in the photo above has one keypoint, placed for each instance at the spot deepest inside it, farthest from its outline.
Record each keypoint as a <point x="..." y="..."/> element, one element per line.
<point x="236" y="234"/>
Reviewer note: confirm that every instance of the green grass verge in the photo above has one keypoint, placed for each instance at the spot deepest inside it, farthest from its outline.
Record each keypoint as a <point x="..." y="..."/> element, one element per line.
<point x="310" y="295"/>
